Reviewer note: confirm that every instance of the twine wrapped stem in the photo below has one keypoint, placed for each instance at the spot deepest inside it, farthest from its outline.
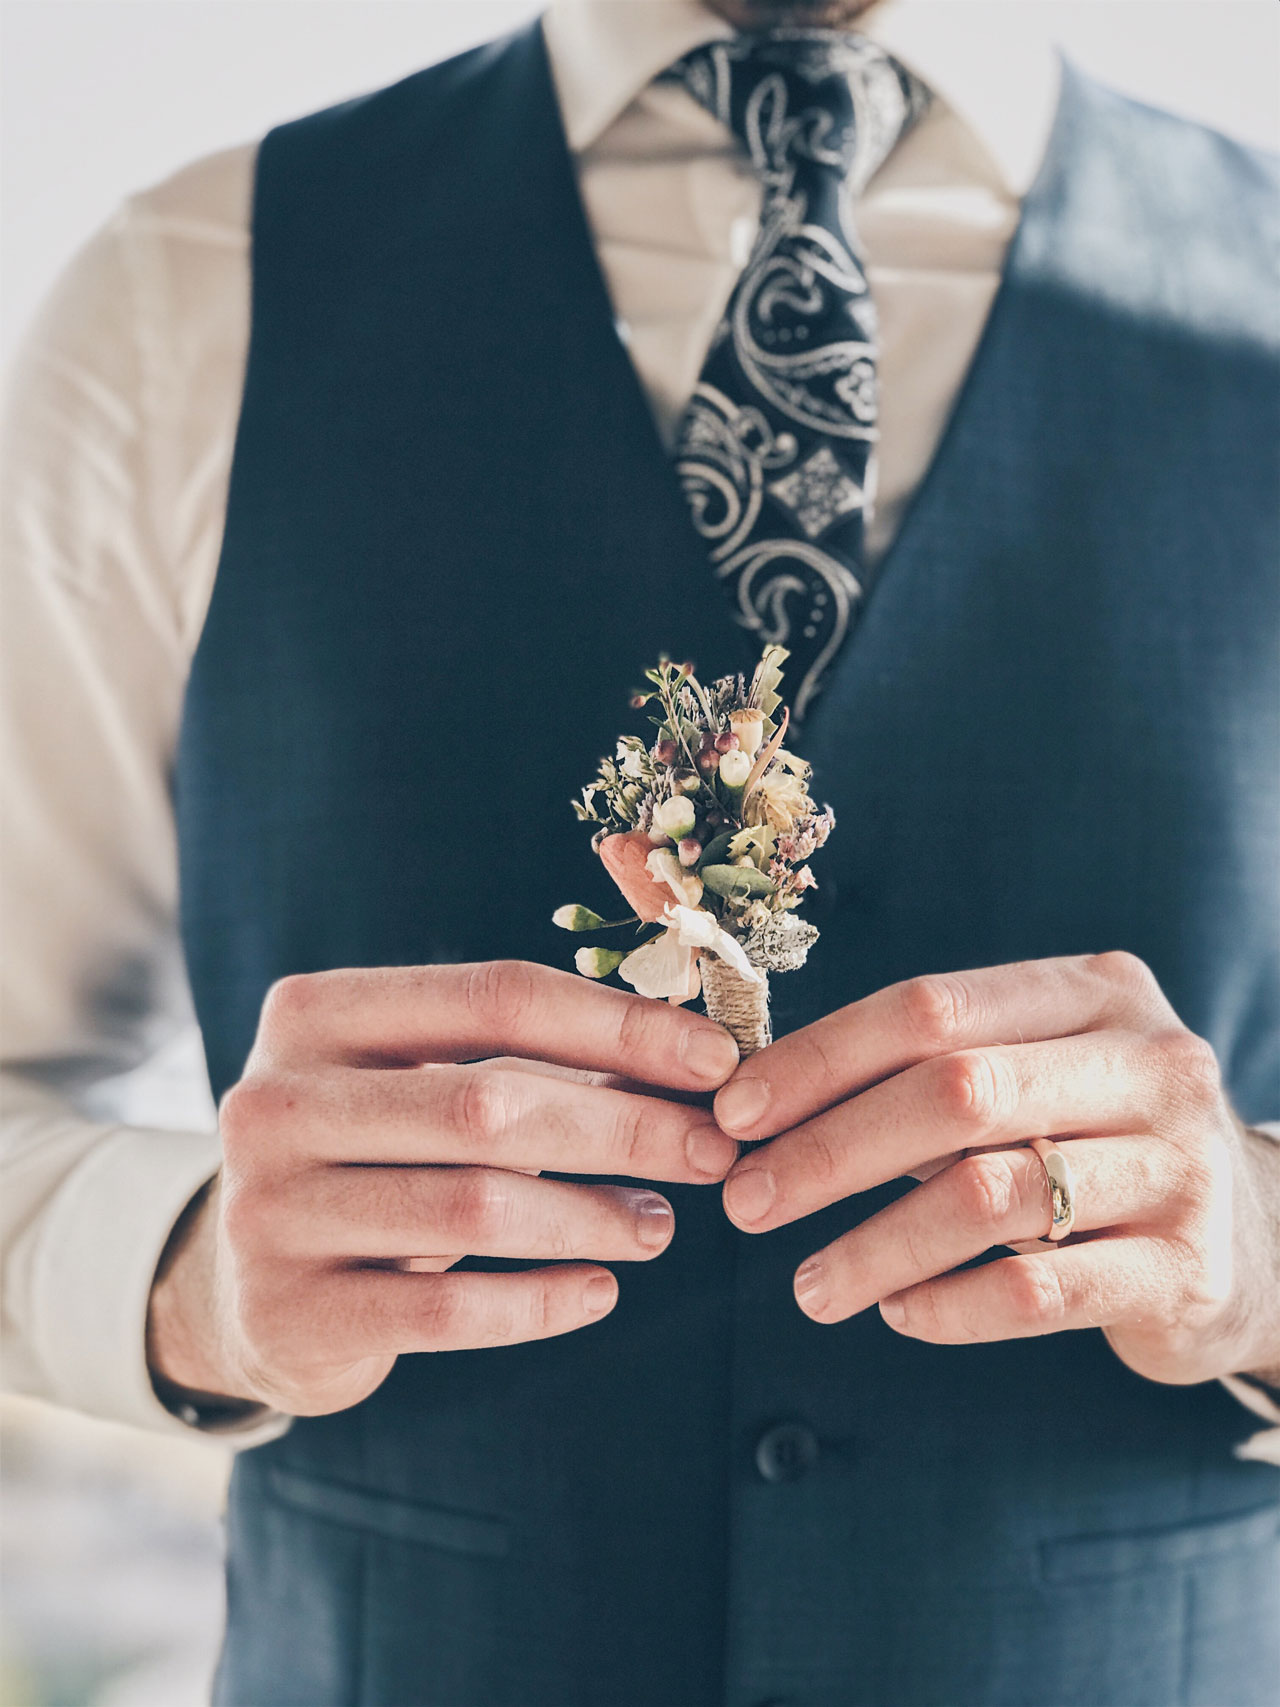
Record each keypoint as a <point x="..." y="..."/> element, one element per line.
<point x="740" y="1006"/>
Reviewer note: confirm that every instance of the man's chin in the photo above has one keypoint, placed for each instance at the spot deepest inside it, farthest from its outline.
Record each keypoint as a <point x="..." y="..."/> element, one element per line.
<point x="774" y="14"/>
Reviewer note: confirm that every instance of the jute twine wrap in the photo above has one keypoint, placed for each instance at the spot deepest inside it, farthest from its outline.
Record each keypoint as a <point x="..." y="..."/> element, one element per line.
<point x="741" y="1007"/>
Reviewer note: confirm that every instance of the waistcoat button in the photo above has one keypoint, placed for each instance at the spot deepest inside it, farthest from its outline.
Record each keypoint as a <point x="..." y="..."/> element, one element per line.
<point x="785" y="1453"/>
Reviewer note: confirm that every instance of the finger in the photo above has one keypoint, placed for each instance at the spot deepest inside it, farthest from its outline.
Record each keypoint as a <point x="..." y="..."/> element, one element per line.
<point x="1095" y="1284"/>
<point x="471" y="1115"/>
<point x="976" y="1099"/>
<point x="406" y="1015"/>
<point x="993" y="1198"/>
<point x="1029" y="1001"/>
<point x="550" y="1070"/>
<point x="358" y="1213"/>
<point x="583" y="1076"/>
<point x="367" y="1312"/>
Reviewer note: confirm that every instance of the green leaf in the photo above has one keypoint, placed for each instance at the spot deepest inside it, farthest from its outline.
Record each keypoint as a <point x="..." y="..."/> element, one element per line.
<point x="716" y="849"/>
<point x="737" y="882"/>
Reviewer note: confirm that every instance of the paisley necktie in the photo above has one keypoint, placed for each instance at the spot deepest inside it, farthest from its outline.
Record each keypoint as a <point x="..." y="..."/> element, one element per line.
<point x="776" y="450"/>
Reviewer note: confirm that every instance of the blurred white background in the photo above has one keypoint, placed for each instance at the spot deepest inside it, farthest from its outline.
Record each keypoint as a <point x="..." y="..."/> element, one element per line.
<point x="112" y="1592"/>
<point x="103" y="96"/>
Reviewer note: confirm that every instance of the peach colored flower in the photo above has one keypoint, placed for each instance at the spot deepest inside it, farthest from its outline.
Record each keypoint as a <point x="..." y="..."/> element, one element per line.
<point x="625" y="858"/>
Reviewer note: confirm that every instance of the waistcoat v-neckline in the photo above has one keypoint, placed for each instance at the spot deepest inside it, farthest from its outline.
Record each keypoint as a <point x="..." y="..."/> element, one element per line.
<point x="598" y="320"/>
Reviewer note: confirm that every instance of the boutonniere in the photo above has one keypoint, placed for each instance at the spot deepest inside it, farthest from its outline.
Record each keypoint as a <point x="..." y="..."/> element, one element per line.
<point x="707" y="830"/>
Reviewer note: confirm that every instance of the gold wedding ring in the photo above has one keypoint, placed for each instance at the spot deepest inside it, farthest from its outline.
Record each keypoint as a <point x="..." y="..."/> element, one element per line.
<point x="1062" y="1189"/>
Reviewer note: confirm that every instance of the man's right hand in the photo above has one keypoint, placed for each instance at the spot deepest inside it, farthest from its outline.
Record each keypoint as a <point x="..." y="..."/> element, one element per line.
<point x="363" y="1156"/>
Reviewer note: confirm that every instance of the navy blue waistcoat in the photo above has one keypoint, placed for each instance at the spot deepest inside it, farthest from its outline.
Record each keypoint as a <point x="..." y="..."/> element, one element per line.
<point x="453" y="543"/>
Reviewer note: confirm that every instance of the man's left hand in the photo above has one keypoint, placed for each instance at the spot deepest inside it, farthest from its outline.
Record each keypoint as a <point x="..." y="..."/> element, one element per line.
<point x="1175" y="1251"/>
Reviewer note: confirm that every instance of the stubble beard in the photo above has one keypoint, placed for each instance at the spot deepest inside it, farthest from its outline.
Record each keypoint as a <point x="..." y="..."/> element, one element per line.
<point x="790" y="14"/>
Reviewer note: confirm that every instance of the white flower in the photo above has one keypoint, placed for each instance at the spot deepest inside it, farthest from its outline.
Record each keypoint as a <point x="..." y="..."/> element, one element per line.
<point x="665" y="867"/>
<point x="781" y="797"/>
<point x="667" y="967"/>
<point x="735" y="768"/>
<point x="664" y="968"/>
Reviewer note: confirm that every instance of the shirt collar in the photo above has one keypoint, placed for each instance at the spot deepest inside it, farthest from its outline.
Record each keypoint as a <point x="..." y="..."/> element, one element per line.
<point x="992" y="63"/>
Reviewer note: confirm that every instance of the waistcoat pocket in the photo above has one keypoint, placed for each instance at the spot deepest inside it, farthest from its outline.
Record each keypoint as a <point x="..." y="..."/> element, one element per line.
<point x="383" y="1514"/>
<point x="1081" y="1557"/>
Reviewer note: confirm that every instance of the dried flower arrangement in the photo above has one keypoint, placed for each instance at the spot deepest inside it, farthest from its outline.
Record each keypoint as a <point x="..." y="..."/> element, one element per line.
<point x="707" y="832"/>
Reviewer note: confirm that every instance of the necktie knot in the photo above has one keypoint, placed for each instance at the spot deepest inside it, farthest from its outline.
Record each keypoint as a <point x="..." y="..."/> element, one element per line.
<point x="806" y="103"/>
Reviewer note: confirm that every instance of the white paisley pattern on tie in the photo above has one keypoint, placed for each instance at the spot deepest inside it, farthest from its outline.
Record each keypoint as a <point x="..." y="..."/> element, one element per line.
<point x="776" y="450"/>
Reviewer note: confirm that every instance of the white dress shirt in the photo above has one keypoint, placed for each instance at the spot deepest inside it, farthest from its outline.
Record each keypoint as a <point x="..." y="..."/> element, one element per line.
<point x="119" y="434"/>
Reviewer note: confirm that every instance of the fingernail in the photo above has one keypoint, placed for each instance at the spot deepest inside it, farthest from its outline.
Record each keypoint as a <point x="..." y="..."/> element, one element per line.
<point x="749" y="1196"/>
<point x="740" y="1105"/>
<point x="710" y="1053"/>
<point x="893" y="1312"/>
<point x="710" y="1152"/>
<point x="808" y="1281"/>
<point x="653" y="1220"/>
<point x="599" y="1293"/>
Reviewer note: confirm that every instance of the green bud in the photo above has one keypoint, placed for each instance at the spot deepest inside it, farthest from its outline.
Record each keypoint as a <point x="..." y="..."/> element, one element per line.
<point x="577" y="918"/>
<point x="599" y="962"/>
<point x="675" y="817"/>
<point x="735" y="768"/>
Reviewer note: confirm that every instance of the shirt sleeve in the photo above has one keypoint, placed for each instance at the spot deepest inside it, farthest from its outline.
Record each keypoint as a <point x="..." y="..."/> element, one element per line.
<point x="1261" y="1399"/>
<point x="97" y="636"/>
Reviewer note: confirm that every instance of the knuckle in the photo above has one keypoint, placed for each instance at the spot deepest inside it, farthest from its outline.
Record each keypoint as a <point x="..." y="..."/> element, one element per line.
<point x="985" y="1190"/>
<point x="290" y="1002"/>
<point x="967" y="1088"/>
<point x="499" y="994"/>
<point x="1033" y="1293"/>
<point x="560" y="1242"/>
<point x="819" y="1065"/>
<point x="934" y="1008"/>
<point x="246" y="1216"/>
<point x="634" y="1130"/>
<point x="545" y="1309"/>
<point x="479" y="1108"/>
<point x="1205" y="1268"/>
<point x="259" y="1316"/>
<point x="480" y="1212"/>
<point x="443" y="1308"/>
<point x="923" y="1314"/>
<point x="1124" y="972"/>
<point x="1201" y="1170"/>
<point x="822" y="1156"/>
<point x="639" y="1023"/>
<point x="1190" y="1064"/>
<point x="254" y="1109"/>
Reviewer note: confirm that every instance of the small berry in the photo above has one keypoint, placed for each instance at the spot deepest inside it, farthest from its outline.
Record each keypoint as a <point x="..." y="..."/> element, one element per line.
<point x="727" y="742"/>
<point x="690" y="850"/>
<point x="665" y="752"/>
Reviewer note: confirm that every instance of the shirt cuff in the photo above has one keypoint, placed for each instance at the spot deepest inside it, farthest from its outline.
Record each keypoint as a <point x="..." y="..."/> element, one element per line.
<point x="100" y="1239"/>
<point x="1263" y="1401"/>
<point x="1264" y="1446"/>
